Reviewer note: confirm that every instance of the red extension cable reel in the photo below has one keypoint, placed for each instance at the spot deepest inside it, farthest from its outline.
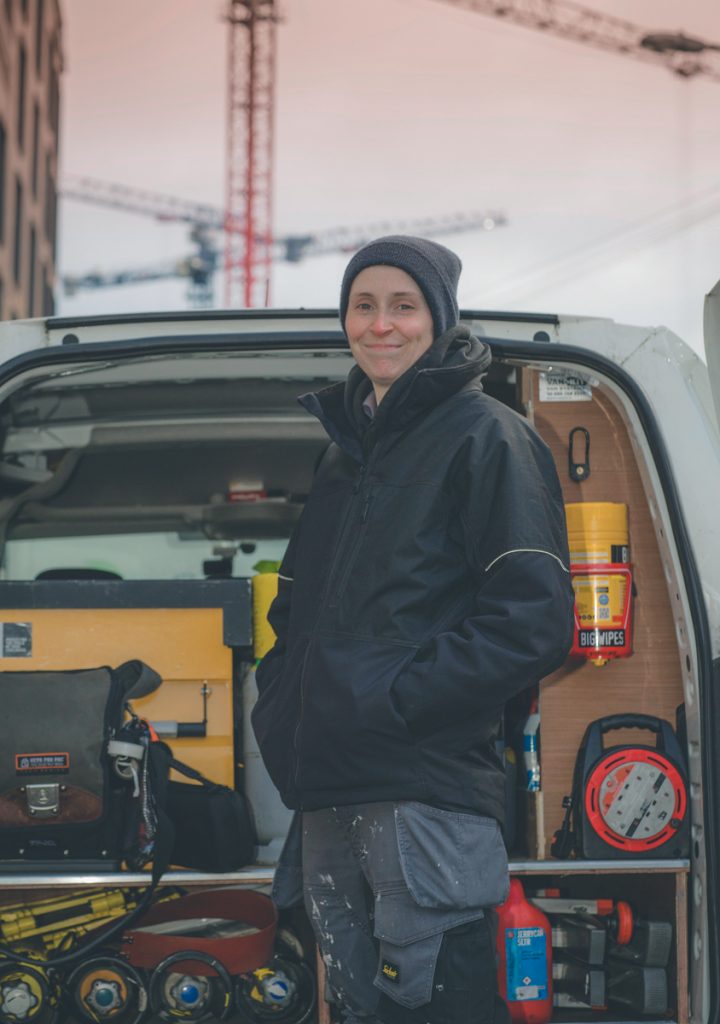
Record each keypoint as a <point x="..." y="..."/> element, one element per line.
<point x="627" y="801"/>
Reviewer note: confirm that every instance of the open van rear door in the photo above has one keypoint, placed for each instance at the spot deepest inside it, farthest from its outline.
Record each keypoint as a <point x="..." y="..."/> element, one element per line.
<point x="712" y="343"/>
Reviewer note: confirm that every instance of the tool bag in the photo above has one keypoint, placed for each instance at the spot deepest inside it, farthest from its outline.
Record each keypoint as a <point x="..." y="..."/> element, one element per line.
<point x="214" y="826"/>
<point x="60" y="797"/>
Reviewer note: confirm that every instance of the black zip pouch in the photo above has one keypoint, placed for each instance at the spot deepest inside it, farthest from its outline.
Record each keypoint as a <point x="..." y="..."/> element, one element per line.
<point x="214" y="827"/>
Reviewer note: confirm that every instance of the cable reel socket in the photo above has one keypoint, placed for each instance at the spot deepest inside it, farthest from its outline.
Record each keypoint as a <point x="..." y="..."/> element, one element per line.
<point x="188" y="986"/>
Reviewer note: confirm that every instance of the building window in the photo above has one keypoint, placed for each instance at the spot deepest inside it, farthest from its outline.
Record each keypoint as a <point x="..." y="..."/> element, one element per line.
<point x="39" y="25"/>
<point x="53" y="90"/>
<point x="9" y="10"/>
<point x="36" y="147"/>
<point x="32" y="256"/>
<point x="22" y="62"/>
<point x="48" y="191"/>
<point x="3" y="178"/>
<point x="17" y="256"/>
<point x="24" y="5"/>
<point x="49" y="73"/>
<point x="48" y="299"/>
<point x="50" y="202"/>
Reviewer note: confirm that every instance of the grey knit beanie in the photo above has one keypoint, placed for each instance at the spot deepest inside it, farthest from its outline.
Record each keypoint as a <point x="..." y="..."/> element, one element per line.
<point x="433" y="267"/>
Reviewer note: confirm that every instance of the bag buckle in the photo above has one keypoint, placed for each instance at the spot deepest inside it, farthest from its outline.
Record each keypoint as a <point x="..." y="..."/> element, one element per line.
<point x="43" y="799"/>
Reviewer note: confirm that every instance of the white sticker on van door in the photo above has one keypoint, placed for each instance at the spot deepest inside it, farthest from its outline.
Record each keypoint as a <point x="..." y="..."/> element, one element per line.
<point x="564" y="387"/>
<point x="15" y="639"/>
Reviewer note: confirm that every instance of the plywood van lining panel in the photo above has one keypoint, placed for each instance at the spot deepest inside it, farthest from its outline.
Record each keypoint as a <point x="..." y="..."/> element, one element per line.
<point x="648" y="682"/>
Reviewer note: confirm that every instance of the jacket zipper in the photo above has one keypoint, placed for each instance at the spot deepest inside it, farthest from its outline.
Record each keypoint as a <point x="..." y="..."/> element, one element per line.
<point x="349" y="518"/>
<point x="352" y="553"/>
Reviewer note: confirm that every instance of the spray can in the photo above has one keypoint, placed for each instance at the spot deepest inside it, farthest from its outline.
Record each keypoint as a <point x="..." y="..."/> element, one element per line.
<point x="524" y="945"/>
<point x="531" y="748"/>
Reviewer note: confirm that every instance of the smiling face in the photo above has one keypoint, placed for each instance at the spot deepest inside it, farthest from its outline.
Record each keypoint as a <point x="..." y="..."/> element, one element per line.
<point x="388" y="324"/>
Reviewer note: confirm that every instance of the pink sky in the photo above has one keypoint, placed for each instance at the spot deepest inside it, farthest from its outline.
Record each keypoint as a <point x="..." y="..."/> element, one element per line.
<point x="401" y="108"/>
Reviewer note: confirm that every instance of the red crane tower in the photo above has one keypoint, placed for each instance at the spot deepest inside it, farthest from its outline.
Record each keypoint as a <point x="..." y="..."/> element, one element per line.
<point x="249" y="157"/>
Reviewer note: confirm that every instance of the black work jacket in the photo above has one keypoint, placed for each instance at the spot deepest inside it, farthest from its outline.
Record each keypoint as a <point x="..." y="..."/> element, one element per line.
<point x="426" y="583"/>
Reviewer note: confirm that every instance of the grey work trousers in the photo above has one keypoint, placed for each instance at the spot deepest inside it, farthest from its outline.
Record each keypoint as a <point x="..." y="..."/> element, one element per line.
<point x="397" y="894"/>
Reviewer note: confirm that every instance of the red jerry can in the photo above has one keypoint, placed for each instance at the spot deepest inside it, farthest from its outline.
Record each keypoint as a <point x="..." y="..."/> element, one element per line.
<point x="524" y="944"/>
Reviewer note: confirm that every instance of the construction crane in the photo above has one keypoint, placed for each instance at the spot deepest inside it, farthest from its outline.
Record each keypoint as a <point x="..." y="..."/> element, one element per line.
<point x="249" y="159"/>
<point x="247" y="218"/>
<point x="292" y="248"/>
<point x="682" y="54"/>
<point x="199" y="268"/>
<point x="251" y="75"/>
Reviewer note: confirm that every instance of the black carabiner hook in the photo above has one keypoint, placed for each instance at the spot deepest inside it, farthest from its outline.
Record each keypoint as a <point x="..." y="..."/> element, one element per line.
<point x="579" y="469"/>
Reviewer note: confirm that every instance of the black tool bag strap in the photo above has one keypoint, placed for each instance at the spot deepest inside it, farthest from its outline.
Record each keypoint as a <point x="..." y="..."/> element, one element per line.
<point x="160" y="762"/>
<point x="191" y="773"/>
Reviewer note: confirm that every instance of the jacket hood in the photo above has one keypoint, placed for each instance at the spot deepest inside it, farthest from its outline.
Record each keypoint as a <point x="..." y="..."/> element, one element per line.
<point x="453" y="360"/>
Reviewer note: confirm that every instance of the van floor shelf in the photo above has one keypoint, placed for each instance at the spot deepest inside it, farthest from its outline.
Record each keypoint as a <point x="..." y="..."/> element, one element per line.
<point x="598" y="867"/>
<point x="110" y="879"/>
<point x="261" y="875"/>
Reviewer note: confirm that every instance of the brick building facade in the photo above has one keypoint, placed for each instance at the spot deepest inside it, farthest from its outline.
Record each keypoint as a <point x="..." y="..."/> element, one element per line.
<point x="30" y="69"/>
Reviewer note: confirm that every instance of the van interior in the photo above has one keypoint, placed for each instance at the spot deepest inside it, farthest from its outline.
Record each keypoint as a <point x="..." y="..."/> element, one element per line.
<point x="141" y="493"/>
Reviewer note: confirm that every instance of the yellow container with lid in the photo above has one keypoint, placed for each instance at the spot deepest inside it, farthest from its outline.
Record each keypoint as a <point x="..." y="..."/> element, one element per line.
<point x="602" y="579"/>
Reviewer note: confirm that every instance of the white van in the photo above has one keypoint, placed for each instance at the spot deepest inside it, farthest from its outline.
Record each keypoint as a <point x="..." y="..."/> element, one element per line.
<point x="151" y="465"/>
